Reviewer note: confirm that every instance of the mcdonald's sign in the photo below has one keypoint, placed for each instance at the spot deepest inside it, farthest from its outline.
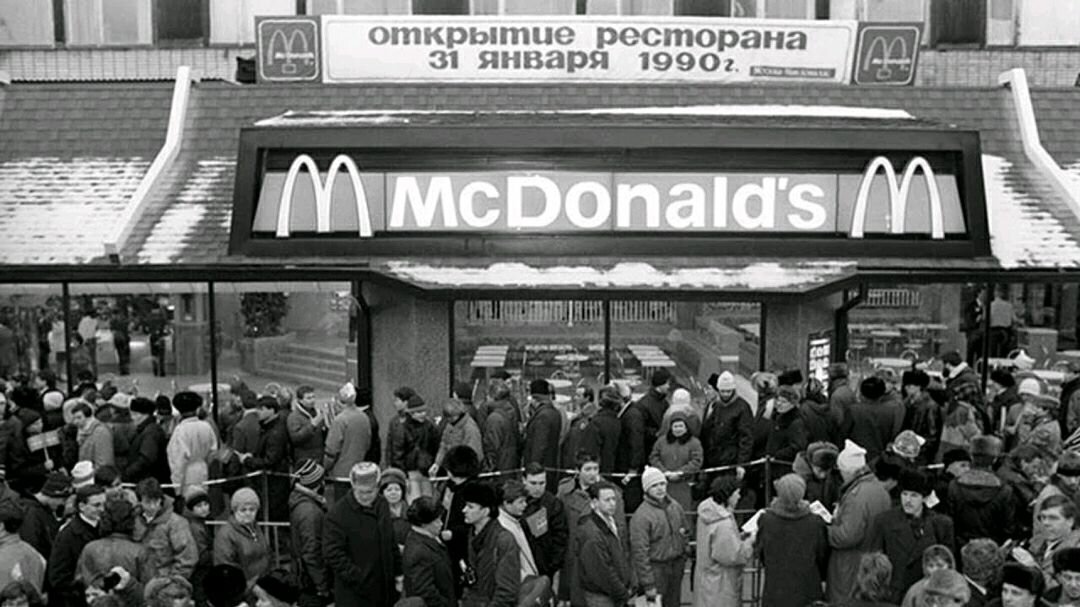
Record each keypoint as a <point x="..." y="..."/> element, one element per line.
<point x="887" y="54"/>
<point x="898" y="194"/>
<point x="288" y="49"/>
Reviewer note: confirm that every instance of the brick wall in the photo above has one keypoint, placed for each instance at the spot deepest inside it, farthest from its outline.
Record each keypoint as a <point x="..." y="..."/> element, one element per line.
<point x="1047" y="68"/>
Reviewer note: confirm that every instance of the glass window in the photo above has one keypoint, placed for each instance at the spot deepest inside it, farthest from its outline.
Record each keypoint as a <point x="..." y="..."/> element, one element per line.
<point x="233" y="21"/>
<point x="152" y="337"/>
<point x="107" y="22"/>
<point x="691" y="340"/>
<point x="358" y="7"/>
<point x="26" y="22"/>
<point x="31" y="329"/>
<point x="524" y="7"/>
<point x="704" y="8"/>
<point x="180" y="20"/>
<point x="440" y="7"/>
<point x="790" y="9"/>
<point x="958" y="22"/>
<point x="1045" y="23"/>
<point x="285" y="333"/>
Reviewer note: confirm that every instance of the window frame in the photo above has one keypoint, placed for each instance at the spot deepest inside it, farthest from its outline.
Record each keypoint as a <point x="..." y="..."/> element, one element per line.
<point x="103" y="44"/>
<point x="201" y="41"/>
<point x="55" y="7"/>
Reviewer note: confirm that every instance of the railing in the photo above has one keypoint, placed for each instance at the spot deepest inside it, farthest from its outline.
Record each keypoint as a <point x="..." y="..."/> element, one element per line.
<point x="892" y="298"/>
<point x="512" y="313"/>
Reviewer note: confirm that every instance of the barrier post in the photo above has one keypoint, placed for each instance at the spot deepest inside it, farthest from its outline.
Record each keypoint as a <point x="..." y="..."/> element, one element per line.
<point x="768" y="476"/>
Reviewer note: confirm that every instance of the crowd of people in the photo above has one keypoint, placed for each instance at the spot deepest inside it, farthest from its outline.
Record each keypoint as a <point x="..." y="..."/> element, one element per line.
<point x="916" y="490"/>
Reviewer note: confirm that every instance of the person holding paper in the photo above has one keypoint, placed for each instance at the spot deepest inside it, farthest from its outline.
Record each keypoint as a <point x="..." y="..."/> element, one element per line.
<point x="722" y="549"/>
<point x="793" y="578"/>
<point x="863" y="497"/>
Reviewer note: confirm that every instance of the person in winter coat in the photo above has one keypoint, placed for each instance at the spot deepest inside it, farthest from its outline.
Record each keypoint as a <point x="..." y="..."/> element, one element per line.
<point x="980" y="503"/>
<point x="574" y="495"/>
<point x="723" y="550"/>
<point x="271" y="454"/>
<point x="542" y="430"/>
<point x="395" y="431"/>
<point x="190" y="446"/>
<point x="244" y="434"/>
<point x="876" y="419"/>
<point x="922" y="415"/>
<point x="579" y="432"/>
<point x="94" y="438"/>
<point x="307" y="510"/>
<point x="604" y="432"/>
<point x="863" y="497"/>
<point x="792" y="577"/>
<point x="871" y="587"/>
<point x="841" y="394"/>
<point x="658" y="540"/>
<point x="460" y="429"/>
<point x="164" y="532"/>
<point x="307" y="426"/>
<point x="1004" y="395"/>
<point x="603" y="573"/>
<point x="501" y="436"/>
<point x="494" y="556"/>
<point x="904" y="533"/>
<point x="632" y="456"/>
<point x="1026" y="471"/>
<point x="18" y="559"/>
<point x="1057" y="520"/>
<point x="963" y="384"/>
<point x="196" y="511"/>
<point x="787" y="438"/>
<point x="116" y="415"/>
<point x="239" y="542"/>
<point x="678" y="455"/>
<point x="349" y="439"/>
<point x="654" y="403"/>
<point x="394" y="487"/>
<point x="429" y="574"/>
<point x="1064" y="481"/>
<point x="821" y="421"/>
<point x="358" y="543"/>
<point x="115" y="548"/>
<point x="414" y="450"/>
<point x="817" y="467"/>
<point x="544" y="522"/>
<point x="146" y="456"/>
<point x="727" y="435"/>
<point x="463" y="467"/>
<point x="40" y="525"/>
<point x="79" y="531"/>
<point x="683" y="404"/>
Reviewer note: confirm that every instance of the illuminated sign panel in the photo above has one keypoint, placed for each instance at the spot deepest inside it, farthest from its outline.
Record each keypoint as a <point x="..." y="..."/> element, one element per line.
<point x="341" y="198"/>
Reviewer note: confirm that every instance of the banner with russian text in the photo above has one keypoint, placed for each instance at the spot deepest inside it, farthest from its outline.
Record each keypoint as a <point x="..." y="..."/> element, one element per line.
<point x="627" y="49"/>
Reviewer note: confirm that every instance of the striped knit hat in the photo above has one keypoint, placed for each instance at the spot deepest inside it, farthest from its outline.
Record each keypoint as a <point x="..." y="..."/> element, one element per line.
<point x="309" y="473"/>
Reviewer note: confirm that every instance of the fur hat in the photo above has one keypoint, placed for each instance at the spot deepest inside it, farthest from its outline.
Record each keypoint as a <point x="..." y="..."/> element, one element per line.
<point x="1024" y="578"/>
<point x="540" y="387"/>
<point x="1067" y="559"/>
<point x="917" y="377"/>
<point x="763" y="382"/>
<point x="462" y="462"/>
<point x="1002" y="378"/>
<point x="156" y="587"/>
<point x="907" y="444"/>
<point x="982" y="560"/>
<point x="364" y="474"/>
<point x="791" y="377"/>
<point x="651" y="477"/>
<point x="187" y="402"/>
<point x="955" y="455"/>
<point x="224" y="585"/>
<point x="1069" y="465"/>
<point x="480" y="494"/>
<point x="916" y="482"/>
<point x="822" y="454"/>
<point x="143" y="405"/>
<point x="872" y="388"/>
<point x="952" y="358"/>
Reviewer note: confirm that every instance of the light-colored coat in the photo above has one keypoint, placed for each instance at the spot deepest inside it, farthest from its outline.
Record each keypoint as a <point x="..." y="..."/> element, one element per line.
<point x="685" y="458"/>
<point x="96" y="444"/>
<point x="862" y="499"/>
<point x="168" y="539"/>
<point x="721" y="556"/>
<point x="462" y="432"/>
<point x="190" y="446"/>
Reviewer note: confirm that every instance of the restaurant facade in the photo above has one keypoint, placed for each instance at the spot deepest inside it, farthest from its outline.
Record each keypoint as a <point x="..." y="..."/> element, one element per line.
<point x="427" y="201"/>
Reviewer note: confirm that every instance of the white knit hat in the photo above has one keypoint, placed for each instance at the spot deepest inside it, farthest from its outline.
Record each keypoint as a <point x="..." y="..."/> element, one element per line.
<point x="651" y="476"/>
<point x="1029" y="385"/>
<point x="82" y="474"/>
<point x="852" y="457"/>
<point x="726" y="381"/>
<point x="680" y="398"/>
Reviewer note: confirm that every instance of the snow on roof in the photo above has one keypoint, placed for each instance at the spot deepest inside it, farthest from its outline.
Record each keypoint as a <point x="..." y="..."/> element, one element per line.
<point x="316" y="118"/>
<point x="1073" y="170"/>
<point x="1022" y="232"/>
<point x="187" y="213"/>
<point x="627" y="275"/>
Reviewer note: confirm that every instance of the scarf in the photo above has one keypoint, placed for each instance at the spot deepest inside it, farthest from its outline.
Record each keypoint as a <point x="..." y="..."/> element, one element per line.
<point x="511" y="524"/>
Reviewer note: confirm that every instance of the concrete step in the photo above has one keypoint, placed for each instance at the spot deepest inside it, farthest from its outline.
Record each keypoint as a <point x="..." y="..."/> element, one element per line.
<point x="296" y="358"/>
<point x="311" y="372"/>
<point x="294" y="380"/>
<point x="316" y="351"/>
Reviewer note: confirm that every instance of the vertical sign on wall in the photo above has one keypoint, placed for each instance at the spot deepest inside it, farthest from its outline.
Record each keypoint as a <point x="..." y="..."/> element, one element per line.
<point x="288" y="49"/>
<point x="887" y="54"/>
<point x="819" y="355"/>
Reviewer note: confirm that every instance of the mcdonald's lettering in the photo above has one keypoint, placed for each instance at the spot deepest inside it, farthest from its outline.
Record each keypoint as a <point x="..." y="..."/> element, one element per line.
<point x="309" y="199"/>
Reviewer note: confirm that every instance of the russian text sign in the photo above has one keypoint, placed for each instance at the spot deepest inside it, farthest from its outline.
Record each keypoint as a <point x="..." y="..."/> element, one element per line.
<point x="511" y="49"/>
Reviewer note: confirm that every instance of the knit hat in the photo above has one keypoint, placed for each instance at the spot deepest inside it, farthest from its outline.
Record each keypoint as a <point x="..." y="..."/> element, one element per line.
<point x="1024" y="578"/>
<point x="1067" y="559"/>
<point x="872" y="388"/>
<point x="244" y="496"/>
<point x="851" y="458"/>
<point x="651" y="476"/>
<point x="1030" y="386"/>
<point x="986" y="446"/>
<point x="82" y="474"/>
<point x="822" y="454"/>
<point x="309" y="473"/>
<point x="159" y="586"/>
<point x="540" y="387"/>
<point x="982" y="560"/>
<point x="907" y="444"/>
<point x="52" y="401"/>
<point x="726" y="381"/>
<point x="187" y="402"/>
<point x="955" y="455"/>
<point x="791" y="377"/>
<point x="57" y="484"/>
<point x="1069" y="464"/>
<point x="415" y="403"/>
<point x="279" y="589"/>
<point x="948" y="583"/>
<point x="391" y="476"/>
<point x="346" y="395"/>
<point x="141" y="404"/>
<point x="197" y="497"/>
<point x="224" y="585"/>
<point x="680" y="398"/>
<point x="364" y="474"/>
<point x="917" y="377"/>
<point x="121" y="400"/>
<point x="790" y="489"/>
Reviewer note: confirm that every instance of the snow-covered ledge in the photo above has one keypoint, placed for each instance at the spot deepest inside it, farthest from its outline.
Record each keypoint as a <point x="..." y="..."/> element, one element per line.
<point x="174" y="135"/>
<point x="1063" y="184"/>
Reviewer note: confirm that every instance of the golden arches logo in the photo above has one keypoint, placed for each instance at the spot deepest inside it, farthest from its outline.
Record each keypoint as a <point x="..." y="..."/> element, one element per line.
<point x="898" y="196"/>
<point x="289" y="50"/>
<point x="888" y="59"/>
<point x="323" y="194"/>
